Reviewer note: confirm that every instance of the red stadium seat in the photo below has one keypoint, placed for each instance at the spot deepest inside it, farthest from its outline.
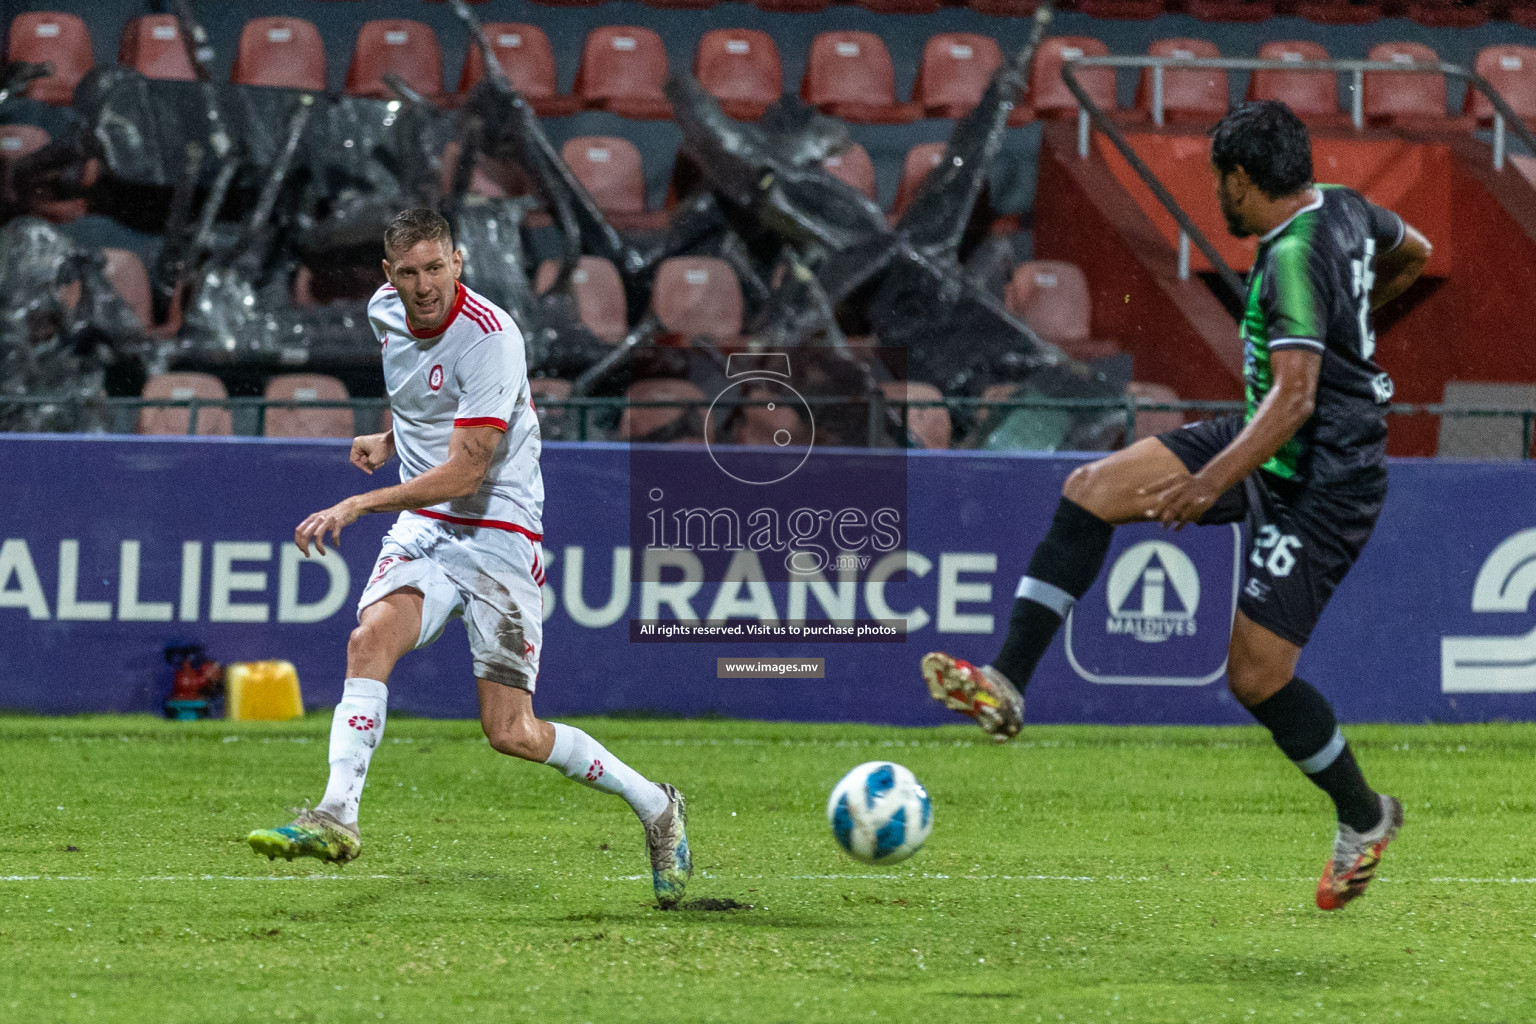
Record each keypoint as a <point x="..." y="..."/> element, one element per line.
<point x="281" y="52"/>
<point x="853" y="166"/>
<point x="920" y="162"/>
<point x="529" y="61"/>
<point x="1395" y="97"/>
<point x="1004" y="8"/>
<point x="900" y="6"/>
<point x="849" y="75"/>
<point x="1522" y="13"/>
<point x="1187" y="95"/>
<point x="740" y="68"/>
<point x="1052" y="297"/>
<point x="556" y="423"/>
<point x="125" y="272"/>
<point x="16" y="141"/>
<point x="682" y="423"/>
<point x="1449" y="13"/>
<point x="698" y="295"/>
<point x="622" y="70"/>
<point x="1338" y="12"/>
<point x="599" y="294"/>
<point x="1311" y="94"/>
<point x="928" y="426"/>
<point x="174" y="419"/>
<point x="955" y="70"/>
<point x="1049" y="95"/>
<point x="395" y="46"/>
<point x="1512" y="71"/>
<point x="792" y="6"/>
<point x="1135" y="10"/>
<point x="1230" y="10"/>
<point x="299" y="422"/>
<point x="610" y="169"/>
<point x="1154" y="422"/>
<point x="59" y="39"/>
<point x="153" y="47"/>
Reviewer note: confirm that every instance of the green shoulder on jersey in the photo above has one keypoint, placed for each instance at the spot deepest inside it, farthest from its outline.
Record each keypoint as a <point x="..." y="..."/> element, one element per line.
<point x="1280" y="280"/>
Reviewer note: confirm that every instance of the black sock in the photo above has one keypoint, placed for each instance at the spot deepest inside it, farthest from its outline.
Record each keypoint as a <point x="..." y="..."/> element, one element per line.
<point x="1302" y="723"/>
<point x="1061" y="570"/>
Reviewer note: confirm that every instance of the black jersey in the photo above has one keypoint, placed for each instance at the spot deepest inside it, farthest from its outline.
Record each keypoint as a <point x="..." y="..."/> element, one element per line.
<point x="1310" y="287"/>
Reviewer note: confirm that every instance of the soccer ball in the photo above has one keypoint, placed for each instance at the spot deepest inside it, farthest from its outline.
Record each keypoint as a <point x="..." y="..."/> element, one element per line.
<point x="880" y="813"/>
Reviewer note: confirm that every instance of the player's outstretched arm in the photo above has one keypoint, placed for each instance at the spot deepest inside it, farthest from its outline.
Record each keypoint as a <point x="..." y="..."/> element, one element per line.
<point x="371" y="451"/>
<point x="1184" y="498"/>
<point x="1400" y="267"/>
<point x="470" y="450"/>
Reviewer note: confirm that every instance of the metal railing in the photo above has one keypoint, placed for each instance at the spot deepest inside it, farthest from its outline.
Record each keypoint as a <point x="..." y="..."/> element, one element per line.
<point x="1089" y="116"/>
<point x="588" y="409"/>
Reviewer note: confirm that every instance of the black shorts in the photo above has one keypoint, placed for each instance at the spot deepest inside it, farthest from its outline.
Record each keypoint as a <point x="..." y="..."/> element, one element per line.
<point x="1302" y="539"/>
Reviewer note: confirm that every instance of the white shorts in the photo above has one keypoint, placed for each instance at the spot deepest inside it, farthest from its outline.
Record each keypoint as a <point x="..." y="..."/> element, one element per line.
<point x="490" y="577"/>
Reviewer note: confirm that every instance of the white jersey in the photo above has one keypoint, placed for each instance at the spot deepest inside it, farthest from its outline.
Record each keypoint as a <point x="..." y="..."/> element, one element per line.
<point x="470" y="372"/>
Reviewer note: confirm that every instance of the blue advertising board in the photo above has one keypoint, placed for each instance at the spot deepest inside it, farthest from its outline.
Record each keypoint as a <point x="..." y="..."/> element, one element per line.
<point x="113" y="548"/>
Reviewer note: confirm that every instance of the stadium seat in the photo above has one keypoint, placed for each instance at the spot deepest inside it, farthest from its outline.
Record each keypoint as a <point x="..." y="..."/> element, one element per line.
<point x="682" y="423"/>
<point x="623" y="70"/>
<point x="900" y="6"/>
<point x="1338" y="12"/>
<point x="125" y="272"/>
<point x="1230" y="10"/>
<point x="1187" y="95"/>
<point x="849" y="75"/>
<point x="928" y="426"/>
<point x="1311" y="94"/>
<point x="1152" y="423"/>
<point x="281" y="52"/>
<point x="16" y="141"/>
<point x="1512" y="71"/>
<point x="496" y="179"/>
<point x="526" y="56"/>
<point x="153" y="47"/>
<point x="954" y="72"/>
<point x="853" y="166"/>
<point x="1049" y="95"/>
<point x="296" y="422"/>
<point x="1449" y="13"/>
<point x="698" y="295"/>
<point x="555" y="424"/>
<point x="1052" y="297"/>
<point x="740" y="68"/>
<point x="610" y="170"/>
<point x="1397" y="97"/>
<point x="760" y="425"/>
<point x="407" y="49"/>
<point x="1522" y="13"/>
<point x="1004" y="8"/>
<point x="920" y="162"/>
<point x="792" y="6"/>
<point x="61" y="40"/>
<point x="599" y="293"/>
<point x="174" y="419"/>
<point x="1136" y="10"/>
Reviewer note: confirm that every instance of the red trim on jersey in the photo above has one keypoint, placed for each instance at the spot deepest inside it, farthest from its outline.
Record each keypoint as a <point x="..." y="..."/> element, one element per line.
<point x="478" y="318"/>
<point x="494" y="524"/>
<point x="458" y="304"/>
<point x="484" y="310"/>
<point x="482" y="421"/>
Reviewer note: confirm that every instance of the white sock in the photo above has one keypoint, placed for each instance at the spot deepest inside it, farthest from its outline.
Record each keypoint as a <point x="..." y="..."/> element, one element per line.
<point x="582" y="758"/>
<point x="356" y="729"/>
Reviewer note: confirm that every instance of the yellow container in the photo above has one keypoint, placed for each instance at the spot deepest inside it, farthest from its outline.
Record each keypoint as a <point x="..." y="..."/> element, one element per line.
<point x="266" y="691"/>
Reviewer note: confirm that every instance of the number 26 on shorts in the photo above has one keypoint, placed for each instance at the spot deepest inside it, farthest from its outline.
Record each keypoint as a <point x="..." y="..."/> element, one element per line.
<point x="1280" y="548"/>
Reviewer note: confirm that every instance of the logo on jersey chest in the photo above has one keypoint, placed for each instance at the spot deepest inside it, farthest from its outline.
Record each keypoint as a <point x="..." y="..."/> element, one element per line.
<point x="435" y="378"/>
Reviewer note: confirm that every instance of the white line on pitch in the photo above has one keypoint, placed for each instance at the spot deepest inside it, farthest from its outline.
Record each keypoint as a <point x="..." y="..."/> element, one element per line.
<point x="870" y="877"/>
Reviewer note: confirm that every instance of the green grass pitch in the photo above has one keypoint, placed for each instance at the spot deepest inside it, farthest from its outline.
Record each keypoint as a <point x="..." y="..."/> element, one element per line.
<point x="1081" y="874"/>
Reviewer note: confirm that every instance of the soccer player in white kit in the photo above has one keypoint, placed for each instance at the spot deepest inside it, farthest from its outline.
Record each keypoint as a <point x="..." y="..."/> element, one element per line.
<point x="467" y="543"/>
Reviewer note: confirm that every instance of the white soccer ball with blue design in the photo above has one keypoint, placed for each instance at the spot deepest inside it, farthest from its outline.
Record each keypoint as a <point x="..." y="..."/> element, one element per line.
<point x="880" y="813"/>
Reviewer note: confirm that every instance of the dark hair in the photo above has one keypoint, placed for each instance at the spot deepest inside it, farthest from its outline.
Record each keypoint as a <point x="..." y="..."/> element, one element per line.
<point x="412" y="227"/>
<point x="1268" y="141"/>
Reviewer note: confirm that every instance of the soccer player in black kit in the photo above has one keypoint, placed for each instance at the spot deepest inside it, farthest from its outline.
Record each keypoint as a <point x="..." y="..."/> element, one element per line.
<point x="1304" y="466"/>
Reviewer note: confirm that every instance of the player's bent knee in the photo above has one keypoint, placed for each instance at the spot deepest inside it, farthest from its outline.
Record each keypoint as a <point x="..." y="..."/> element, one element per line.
<point x="1090" y="486"/>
